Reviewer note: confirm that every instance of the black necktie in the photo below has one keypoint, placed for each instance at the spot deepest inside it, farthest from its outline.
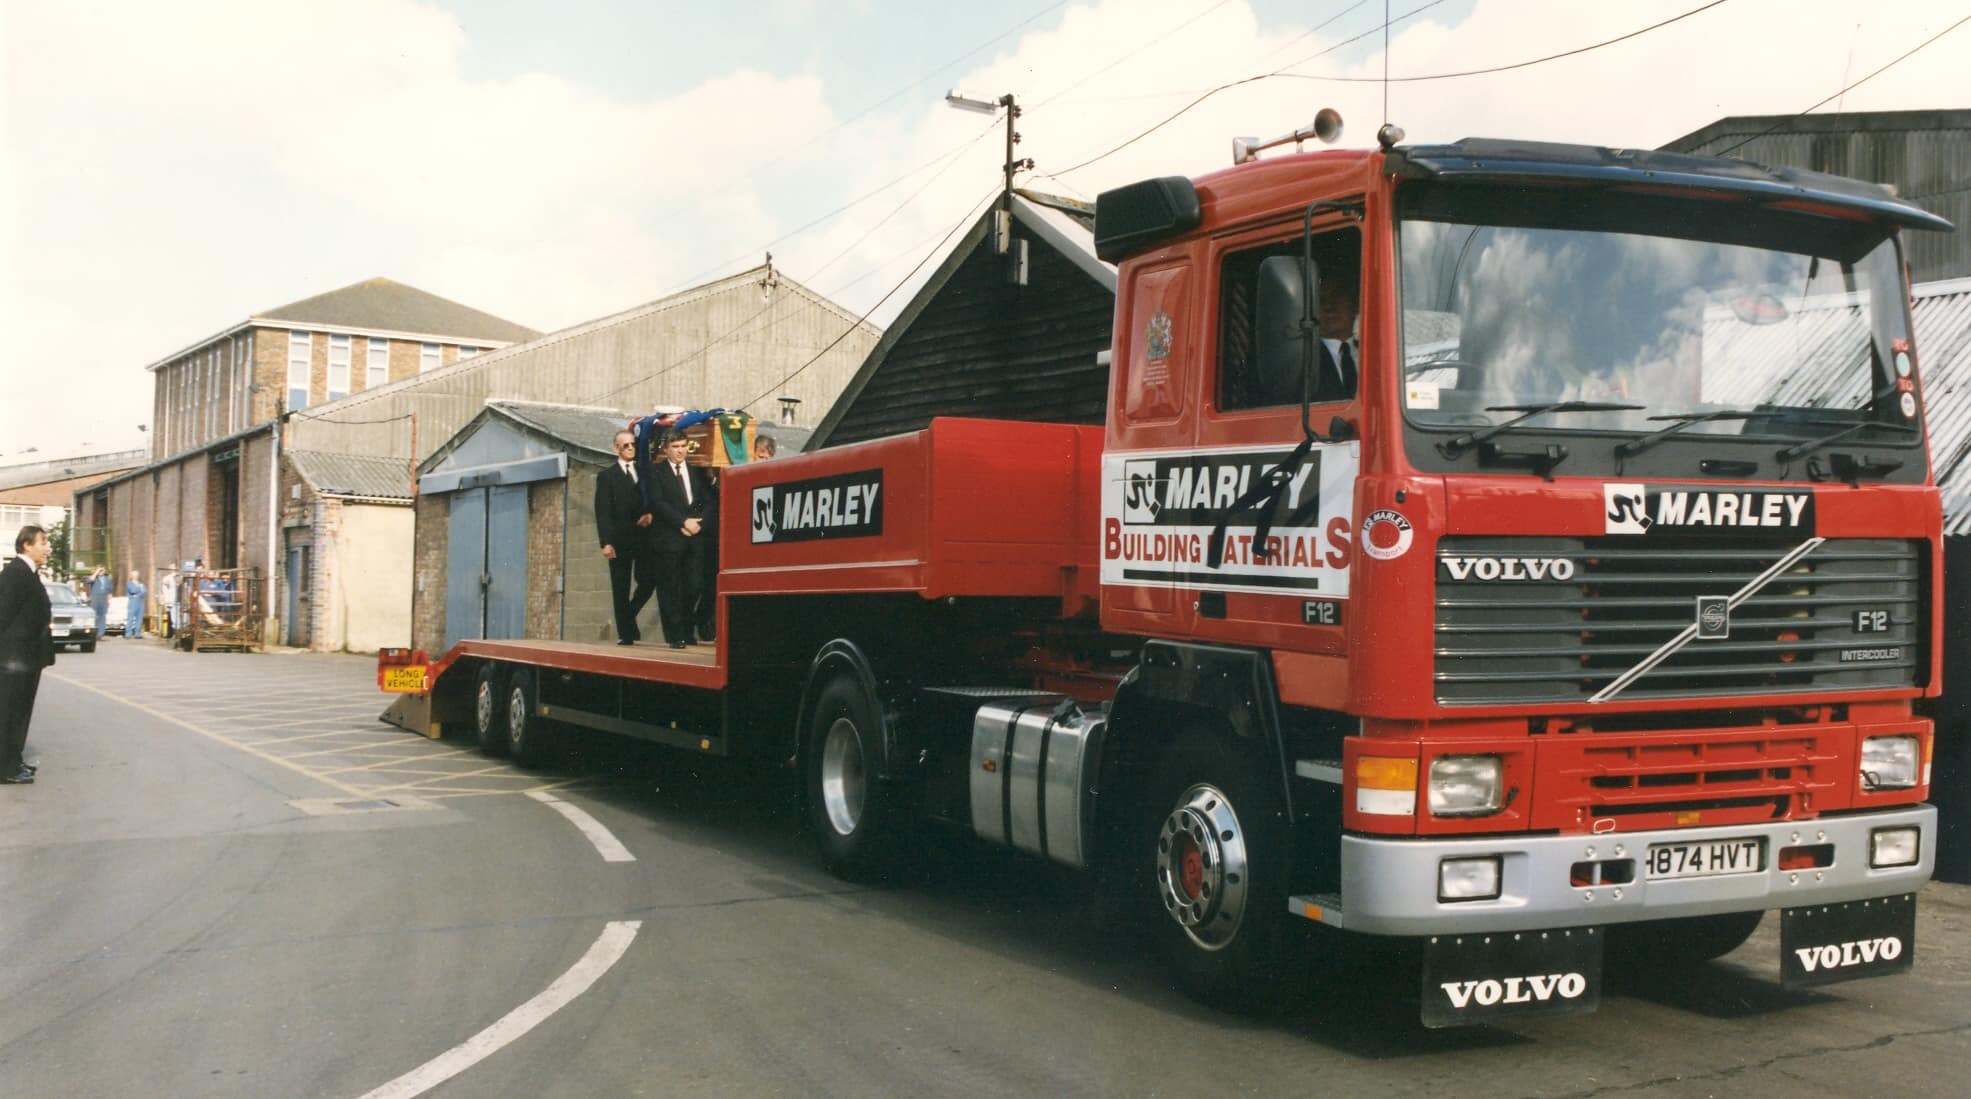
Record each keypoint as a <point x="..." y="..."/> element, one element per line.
<point x="1347" y="364"/>
<point x="683" y="483"/>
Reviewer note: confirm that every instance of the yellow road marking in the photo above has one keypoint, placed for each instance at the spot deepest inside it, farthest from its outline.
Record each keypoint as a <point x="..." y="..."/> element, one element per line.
<point x="210" y="735"/>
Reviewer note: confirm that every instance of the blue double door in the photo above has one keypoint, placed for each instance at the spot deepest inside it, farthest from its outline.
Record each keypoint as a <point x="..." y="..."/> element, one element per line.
<point x="486" y="564"/>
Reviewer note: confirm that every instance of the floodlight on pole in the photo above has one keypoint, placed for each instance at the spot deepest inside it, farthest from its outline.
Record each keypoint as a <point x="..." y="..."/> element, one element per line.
<point x="972" y="103"/>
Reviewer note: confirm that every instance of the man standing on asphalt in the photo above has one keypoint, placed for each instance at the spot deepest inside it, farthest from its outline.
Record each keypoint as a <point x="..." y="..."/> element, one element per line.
<point x="26" y="647"/>
<point x="100" y="585"/>
<point x="134" y="592"/>
<point x="622" y="524"/>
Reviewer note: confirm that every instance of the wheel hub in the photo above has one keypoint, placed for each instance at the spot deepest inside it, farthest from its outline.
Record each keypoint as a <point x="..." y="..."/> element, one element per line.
<point x="1202" y="870"/>
<point x="843" y="785"/>
<point x="483" y="711"/>
<point x="516" y="717"/>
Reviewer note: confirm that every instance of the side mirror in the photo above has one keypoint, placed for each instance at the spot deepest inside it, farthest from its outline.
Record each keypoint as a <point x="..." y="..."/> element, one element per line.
<point x="1283" y="341"/>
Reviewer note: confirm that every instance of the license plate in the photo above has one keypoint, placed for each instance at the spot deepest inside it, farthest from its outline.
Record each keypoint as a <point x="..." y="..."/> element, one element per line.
<point x="408" y="679"/>
<point x="1705" y="859"/>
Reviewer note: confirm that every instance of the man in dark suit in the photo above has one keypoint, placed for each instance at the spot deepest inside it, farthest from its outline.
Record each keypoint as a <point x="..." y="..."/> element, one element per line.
<point x="682" y="498"/>
<point x="1335" y="306"/>
<point x="622" y="524"/>
<point x="26" y="647"/>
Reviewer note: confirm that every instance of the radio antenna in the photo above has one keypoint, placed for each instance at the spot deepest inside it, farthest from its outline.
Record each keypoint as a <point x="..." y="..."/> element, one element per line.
<point x="1385" y="62"/>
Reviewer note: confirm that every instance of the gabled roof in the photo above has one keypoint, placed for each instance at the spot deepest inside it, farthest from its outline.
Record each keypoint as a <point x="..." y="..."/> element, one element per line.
<point x="332" y="474"/>
<point x="967" y="344"/>
<point x="590" y="428"/>
<point x="388" y="306"/>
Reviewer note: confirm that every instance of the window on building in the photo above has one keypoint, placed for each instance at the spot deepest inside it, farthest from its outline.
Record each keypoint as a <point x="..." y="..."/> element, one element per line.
<point x="379" y="363"/>
<point x="298" y="344"/>
<point x="427" y="358"/>
<point x="338" y="367"/>
<point x="468" y="352"/>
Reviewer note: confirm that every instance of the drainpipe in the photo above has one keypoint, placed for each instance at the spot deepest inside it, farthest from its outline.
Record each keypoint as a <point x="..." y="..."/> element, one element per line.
<point x="272" y="587"/>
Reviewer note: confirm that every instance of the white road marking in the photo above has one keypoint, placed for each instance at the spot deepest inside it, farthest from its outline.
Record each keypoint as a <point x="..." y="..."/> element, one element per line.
<point x="602" y="954"/>
<point x="605" y="841"/>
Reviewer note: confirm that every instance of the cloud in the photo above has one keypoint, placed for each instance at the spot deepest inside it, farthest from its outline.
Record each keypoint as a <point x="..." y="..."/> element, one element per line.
<point x="204" y="159"/>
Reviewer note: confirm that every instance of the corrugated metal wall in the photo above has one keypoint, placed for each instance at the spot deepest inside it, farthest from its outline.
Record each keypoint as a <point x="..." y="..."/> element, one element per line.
<point x="1924" y="155"/>
<point x="731" y="344"/>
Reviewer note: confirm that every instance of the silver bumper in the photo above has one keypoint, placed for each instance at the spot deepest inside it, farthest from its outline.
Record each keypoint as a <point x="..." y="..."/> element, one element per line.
<point x="1389" y="886"/>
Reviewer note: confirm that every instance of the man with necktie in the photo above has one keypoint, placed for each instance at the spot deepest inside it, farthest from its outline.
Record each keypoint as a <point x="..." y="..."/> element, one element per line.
<point x="681" y="496"/>
<point x="622" y="525"/>
<point x="26" y="647"/>
<point x="1335" y="306"/>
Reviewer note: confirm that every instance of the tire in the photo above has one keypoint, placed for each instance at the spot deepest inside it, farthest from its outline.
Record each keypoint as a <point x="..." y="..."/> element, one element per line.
<point x="526" y="739"/>
<point x="88" y="646"/>
<point x="1214" y="838"/>
<point x="1679" y="944"/>
<point x="489" y="710"/>
<point x="856" y="819"/>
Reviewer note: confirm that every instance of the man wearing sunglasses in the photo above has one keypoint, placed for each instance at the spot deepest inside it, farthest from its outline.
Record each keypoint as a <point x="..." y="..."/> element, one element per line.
<point x="622" y="523"/>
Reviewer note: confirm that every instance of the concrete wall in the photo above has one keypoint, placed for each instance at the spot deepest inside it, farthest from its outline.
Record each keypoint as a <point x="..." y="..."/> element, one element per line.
<point x="369" y="578"/>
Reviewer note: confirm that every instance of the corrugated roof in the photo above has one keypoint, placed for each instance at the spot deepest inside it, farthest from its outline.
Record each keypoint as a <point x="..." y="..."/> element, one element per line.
<point x="591" y="428"/>
<point x="384" y="305"/>
<point x="332" y="474"/>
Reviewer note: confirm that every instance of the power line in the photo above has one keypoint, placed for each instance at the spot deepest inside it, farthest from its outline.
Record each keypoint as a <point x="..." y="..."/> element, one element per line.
<point x="1846" y="90"/>
<point x="1504" y="68"/>
<point x="912" y="273"/>
<point x="1180" y="112"/>
<point x="1154" y="39"/>
<point x="693" y="279"/>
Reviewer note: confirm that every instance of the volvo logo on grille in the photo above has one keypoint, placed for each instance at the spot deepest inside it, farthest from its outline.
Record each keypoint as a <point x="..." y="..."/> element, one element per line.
<point x="1509" y="568"/>
<point x="1713" y="617"/>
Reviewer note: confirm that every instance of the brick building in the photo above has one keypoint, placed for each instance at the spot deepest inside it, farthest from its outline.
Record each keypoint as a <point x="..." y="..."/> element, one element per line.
<point x="217" y="458"/>
<point x="42" y="491"/>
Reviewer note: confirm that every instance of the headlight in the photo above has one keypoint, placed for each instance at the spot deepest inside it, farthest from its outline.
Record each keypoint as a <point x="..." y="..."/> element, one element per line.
<point x="1468" y="879"/>
<point x="1888" y="762"/>
<point x="1464" y="786"/>
<point x="1893" y="847"/>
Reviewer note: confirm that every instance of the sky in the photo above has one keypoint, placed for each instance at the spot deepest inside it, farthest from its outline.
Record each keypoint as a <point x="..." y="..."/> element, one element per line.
<point x="167" y="170"/>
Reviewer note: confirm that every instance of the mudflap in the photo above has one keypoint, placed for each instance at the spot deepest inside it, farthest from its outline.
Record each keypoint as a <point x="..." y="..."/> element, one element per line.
<point x="1483" y="978"/>
<point x="1825" y="943"/>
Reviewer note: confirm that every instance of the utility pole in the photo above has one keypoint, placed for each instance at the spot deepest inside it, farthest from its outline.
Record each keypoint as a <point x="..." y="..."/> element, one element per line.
<point x="1003" y="242"/>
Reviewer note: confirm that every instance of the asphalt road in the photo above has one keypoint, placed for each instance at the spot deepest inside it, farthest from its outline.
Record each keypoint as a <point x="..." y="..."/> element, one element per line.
<point x="231" y="880"/>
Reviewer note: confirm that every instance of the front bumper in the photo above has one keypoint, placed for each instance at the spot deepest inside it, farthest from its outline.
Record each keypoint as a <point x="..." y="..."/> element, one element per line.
<point x="1389" y="886"/>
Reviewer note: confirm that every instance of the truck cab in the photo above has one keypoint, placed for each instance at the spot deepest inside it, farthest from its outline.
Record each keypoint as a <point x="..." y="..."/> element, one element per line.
<point x="1588" y="581"/>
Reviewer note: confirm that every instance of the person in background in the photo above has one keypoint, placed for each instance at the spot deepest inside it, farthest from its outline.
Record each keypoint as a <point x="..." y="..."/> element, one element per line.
<point x="100" y="586"/>
<point x="134" y="592"/>
<point x="764" y="447"/>
<point x="26" y="647"/>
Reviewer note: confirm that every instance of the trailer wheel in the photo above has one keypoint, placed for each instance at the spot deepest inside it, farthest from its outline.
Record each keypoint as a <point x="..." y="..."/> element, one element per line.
<point x="854" y="816"/>
<point x="1679" y="944"/>
<point x="489" y="711"/>
<point x="526" y="739"/>
<point x="1215" y="840"/>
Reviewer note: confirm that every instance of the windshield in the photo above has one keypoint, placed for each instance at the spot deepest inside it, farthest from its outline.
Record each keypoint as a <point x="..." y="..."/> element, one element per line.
<point x="1767" y="332"/>
<point x="59" y="593"/>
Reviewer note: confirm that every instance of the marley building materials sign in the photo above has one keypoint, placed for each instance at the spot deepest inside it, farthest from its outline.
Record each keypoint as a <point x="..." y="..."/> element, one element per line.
<point x="843" y="505"/>
<point x="1159" y="509"/>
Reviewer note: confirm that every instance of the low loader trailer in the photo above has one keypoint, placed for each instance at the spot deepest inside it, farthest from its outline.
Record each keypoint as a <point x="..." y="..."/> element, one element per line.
<point x="1565" y="600"/>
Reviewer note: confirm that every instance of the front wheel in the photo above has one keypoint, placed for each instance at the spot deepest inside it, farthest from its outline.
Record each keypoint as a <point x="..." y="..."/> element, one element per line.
<point x="1216" y="839"/>
<point x="855" y="816"/>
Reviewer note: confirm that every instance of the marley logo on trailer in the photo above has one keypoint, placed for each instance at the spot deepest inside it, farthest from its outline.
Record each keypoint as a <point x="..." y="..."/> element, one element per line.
<point x="843" y="505"/>
<point x="1659" y="510"/>
<point x="1159" y="509"/>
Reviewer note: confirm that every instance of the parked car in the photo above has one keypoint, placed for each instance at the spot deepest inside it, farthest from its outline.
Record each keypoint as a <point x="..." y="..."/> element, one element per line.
<point x="119" y="615"/>
<point x="70" y="620"/>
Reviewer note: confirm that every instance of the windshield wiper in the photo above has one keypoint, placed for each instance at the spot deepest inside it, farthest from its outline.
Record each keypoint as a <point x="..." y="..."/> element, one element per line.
<point x="1451" y="448"/>
<point x="1684" y="420"/>
<point x="1787" y="454"/>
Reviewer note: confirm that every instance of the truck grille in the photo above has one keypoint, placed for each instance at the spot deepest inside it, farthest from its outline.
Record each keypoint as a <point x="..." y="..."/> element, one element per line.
<point x="1557" y="619"/>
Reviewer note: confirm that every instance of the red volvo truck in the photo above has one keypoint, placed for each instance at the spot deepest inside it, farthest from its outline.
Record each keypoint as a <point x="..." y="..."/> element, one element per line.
<point x="1584" y="614"/>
